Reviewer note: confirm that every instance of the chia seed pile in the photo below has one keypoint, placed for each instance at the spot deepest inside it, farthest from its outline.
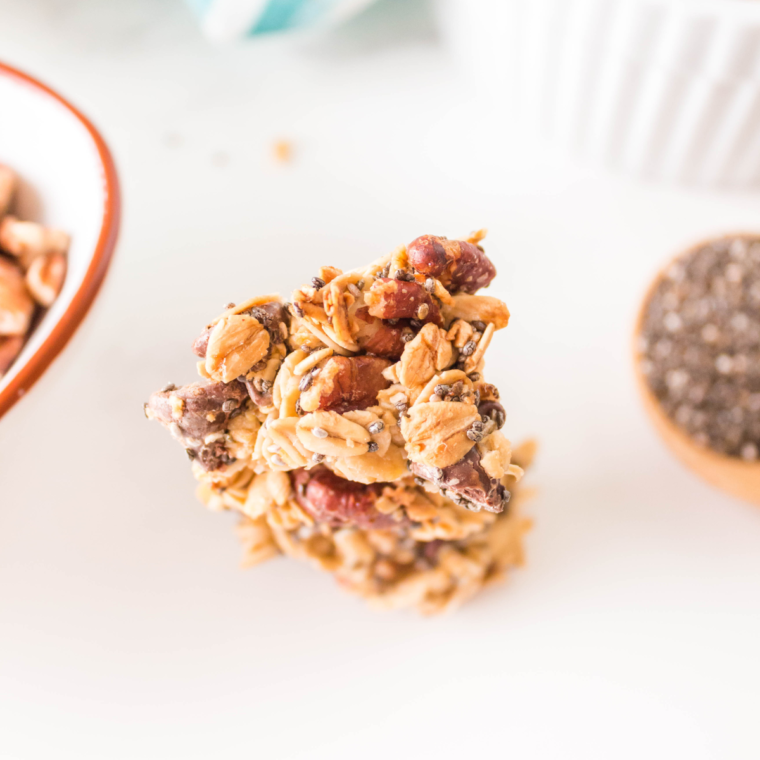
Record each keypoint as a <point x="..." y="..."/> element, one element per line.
<point x="700" y="345"/>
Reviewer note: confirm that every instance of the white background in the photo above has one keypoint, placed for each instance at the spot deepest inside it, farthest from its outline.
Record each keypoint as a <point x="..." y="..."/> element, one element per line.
<point x="127" y="629"/>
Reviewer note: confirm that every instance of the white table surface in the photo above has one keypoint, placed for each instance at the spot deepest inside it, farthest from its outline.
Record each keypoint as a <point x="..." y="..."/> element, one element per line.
<point x="127" y="629"/>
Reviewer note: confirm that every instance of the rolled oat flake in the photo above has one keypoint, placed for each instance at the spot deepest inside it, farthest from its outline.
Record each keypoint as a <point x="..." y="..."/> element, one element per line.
<point x="700" y="345"/>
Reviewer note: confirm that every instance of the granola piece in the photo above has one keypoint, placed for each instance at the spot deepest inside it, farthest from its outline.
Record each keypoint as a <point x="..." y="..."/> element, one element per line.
<point x="10" y="348"/>
<point x="272" y="315"/>
<point x="398" y="299"/>
<point x="390" y="566"/>
<point x="275" y="318"/>
<point x="258" y="543"/>
<point x="373" y="467"/>
<point x="437" y="433"/>
<point x="336" y="502"/>
<point x="200" y="344"/>
<point x="342" y="384"/>
<point x="466" y="482"/>
<point x="378" y="337"/>
<point x="364" y="375"/>
<point x="429" y="352"/>
<point x="8" y="182"/>
<point x="197" y="415"/>
<point x="477" y="309"/>
<point x="333" y="435"/>
<point x="16" y="306"/>
<point x="492" y="410"/>
<point x="260" y="391"/>
<point x="236" y="344"/>
<point x="457" y="264"/>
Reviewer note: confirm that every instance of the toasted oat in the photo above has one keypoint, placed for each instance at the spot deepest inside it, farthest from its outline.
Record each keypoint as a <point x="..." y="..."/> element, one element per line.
<point x="332" y="434"/>
<point x="436" y="434"/>
<point x="236" y="344"/>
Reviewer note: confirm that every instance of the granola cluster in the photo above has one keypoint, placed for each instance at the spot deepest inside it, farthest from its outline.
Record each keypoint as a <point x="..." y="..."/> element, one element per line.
<point x="32" y="270"/>
<point x="352" y="426"/>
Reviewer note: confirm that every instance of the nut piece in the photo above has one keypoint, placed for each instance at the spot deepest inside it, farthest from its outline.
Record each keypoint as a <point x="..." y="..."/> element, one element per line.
<point x="459" y="265"/>
<point x="398" y="299"/>
<point x="346" y="383"/>
<point x="477" y="308"/>
<point x="7" y="188"/>
<point x="16" y="305"/>
<point x="274" y="316"/>
<point x="331" y="434"/>
<point x="197" y="412"/>
<point x="10" y="348"/>
<point x="380" y="338"/>
<point x="336" y="502"/>
<point x="200" y="344"/>
<point x="27" y="240"/>
<point x="45" y="276"/>
<point x="468" y="481"/>
<point x="236" y="343"/>
<point x="436" y="433"/>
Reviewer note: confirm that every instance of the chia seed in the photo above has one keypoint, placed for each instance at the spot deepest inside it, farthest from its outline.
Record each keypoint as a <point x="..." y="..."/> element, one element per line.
<point x="700" y="345"/>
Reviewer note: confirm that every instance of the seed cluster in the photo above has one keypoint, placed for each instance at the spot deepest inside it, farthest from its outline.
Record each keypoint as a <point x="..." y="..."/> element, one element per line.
<point x="700" y="345"/>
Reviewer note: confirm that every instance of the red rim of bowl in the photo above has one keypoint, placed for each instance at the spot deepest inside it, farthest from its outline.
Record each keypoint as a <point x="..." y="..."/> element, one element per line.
<point x="85" y="296"/>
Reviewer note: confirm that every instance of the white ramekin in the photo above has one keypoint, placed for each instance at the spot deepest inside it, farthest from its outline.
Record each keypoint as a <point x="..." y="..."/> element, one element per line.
<point x="666" y="89"/>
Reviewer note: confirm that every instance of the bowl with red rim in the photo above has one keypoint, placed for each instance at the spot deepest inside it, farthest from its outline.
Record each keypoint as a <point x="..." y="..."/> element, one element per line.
<point x="67" y="180"/>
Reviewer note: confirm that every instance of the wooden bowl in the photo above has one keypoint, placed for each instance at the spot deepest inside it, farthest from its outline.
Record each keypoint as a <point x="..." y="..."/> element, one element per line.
<point x="732" y="475"/>
<point x="68" y="180"/>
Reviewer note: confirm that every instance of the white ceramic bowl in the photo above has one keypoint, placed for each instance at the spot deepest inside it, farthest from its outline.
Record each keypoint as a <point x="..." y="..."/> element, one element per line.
<point x="68" y="181"/>
<point x="666" y="89"/>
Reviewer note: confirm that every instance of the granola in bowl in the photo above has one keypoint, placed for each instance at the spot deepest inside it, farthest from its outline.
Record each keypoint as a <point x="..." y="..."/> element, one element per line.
<point x="353" y="426"/>
<point x="32" y="270"/>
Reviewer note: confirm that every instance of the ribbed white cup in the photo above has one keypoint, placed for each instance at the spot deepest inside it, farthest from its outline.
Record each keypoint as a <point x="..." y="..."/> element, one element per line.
<point x="666" y="89"/>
